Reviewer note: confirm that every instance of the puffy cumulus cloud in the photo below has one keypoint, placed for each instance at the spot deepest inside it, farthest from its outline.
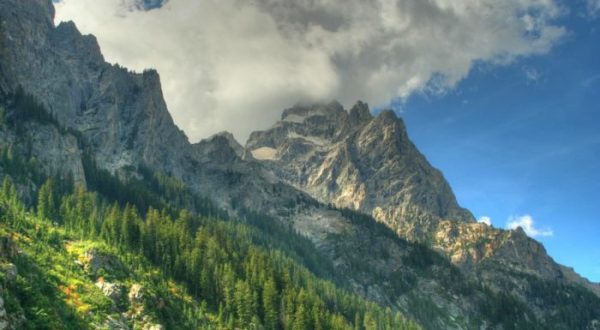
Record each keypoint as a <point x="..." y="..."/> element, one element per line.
<point x="485" y="219"/>
<point x="526" y="222"/>
<point x="233" y="65"/>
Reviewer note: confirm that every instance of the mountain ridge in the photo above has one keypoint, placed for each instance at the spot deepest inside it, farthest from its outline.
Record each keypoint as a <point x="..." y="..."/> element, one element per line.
<point x="300" y="158"/>
<point x="120" y="119"/>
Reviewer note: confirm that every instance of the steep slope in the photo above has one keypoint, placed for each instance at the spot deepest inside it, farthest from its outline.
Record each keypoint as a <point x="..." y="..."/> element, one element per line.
<point x="105" y="120"/>
<point x="52" y="279"/>
<point x="350" y="159"/>
<point x="121" y="114"/>
<point x="81" y="266"/>
<point x="353" y="160"/>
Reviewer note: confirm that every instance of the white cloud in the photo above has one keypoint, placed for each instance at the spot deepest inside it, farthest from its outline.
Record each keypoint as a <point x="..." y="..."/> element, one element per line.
<point x="485" y="219"/>
<point x="234" y="65"/>
<point x="526" y="222"/>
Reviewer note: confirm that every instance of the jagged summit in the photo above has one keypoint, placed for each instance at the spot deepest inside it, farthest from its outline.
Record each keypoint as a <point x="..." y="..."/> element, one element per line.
<point x="220" y="146"/>
<point x="354" y="160"/>
<point x="360" y="113"/>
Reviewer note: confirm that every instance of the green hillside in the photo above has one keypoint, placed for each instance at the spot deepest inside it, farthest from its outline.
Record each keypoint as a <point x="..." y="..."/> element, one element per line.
<point x="188" y="271"/>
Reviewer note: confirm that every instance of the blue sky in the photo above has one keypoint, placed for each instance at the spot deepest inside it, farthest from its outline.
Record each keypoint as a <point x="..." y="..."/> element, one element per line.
<point x="524" y="139"/>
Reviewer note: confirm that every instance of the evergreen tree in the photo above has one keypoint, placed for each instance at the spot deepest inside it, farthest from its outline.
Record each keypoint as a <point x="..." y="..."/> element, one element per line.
<point x="243" y="302"/>
<point x="130" y="232"/>
<point x="46" y="202"/>
<point x="270" y="305"/>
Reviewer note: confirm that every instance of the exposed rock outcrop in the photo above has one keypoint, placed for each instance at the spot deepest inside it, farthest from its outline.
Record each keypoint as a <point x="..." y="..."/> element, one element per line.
<point x="351" y="159"/>
<point x="94" y="261"/>
<point x="4" y="322"/>
<point x="114" y="291"/>
<point x="136" y="294"/>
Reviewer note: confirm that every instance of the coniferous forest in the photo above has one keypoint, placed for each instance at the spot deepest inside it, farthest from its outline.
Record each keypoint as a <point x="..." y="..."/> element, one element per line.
<point x="79" y="254"/>
<point x="229" y="274"/>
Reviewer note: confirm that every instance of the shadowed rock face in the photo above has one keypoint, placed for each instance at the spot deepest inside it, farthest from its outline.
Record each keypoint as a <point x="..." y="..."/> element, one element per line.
<point x="315" y="153"/>
<point x="121" y="114"/>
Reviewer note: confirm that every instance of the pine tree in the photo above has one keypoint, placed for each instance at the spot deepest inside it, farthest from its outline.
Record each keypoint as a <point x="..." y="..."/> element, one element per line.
<point x="370" y="322"/>
<point x="46" y="203"/>
<point x="130" y="231"/>
<point x="243" y="302"/>
<point x="110" y="230"/>
<point x="357" y="322"/>
<point x="270" y="304"/>
<point x="300" y="319"/>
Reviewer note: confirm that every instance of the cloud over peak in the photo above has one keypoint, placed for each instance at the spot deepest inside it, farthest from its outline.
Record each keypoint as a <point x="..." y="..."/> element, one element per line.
<point x="485" y="219"/>
<point x="233" y="65"/>
<point x="527" y="223"/>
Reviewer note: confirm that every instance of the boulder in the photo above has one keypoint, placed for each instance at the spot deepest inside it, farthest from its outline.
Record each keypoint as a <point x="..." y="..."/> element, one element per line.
<point x="114" y="323"/>
<point x="10" y="272"/>
<point x="4" y="324"/>
<point x="8" y="249"/>
<point x="114" y="291"/>
<point x="150" y="326"/>
<point x="95" y="260"/>
<point x="136" y="294"/>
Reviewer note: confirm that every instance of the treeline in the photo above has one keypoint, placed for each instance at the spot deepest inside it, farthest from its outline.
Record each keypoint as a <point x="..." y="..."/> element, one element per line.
<point x="159" y="191"/>
<point x="245" y="285"/>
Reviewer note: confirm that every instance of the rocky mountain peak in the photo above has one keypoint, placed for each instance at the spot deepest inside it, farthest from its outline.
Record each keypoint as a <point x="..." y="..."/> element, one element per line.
<point x="66" y="35"/>
<point x="221" y="148"/>
<point x="360" y="113"/>
<point x="357" y="161"/>
<point x="388" y="115"/>
<point x="229" y="139"/>
<point x="387" y="132"/>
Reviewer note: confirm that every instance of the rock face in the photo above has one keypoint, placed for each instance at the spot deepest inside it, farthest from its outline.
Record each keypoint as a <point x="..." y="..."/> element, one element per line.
<point x="4" y="322"/>
<point x="136" y="294"/>
<point x="8" y="248"/>
<point x="121" y="114"/>
<point x="95" y="261"/>
<point x="113" y="291"/>
<point x="316" y="155"/>
<point x="353" y="160"/>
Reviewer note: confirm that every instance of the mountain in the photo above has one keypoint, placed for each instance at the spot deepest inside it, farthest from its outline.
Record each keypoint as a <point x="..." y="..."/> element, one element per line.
<point x="367" y="164"/>
<point x="354" y="160"/>
<point x="341" y="204"/>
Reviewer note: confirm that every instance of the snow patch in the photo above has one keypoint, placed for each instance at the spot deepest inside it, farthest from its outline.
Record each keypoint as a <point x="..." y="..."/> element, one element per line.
<point x="264" y="153"/>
